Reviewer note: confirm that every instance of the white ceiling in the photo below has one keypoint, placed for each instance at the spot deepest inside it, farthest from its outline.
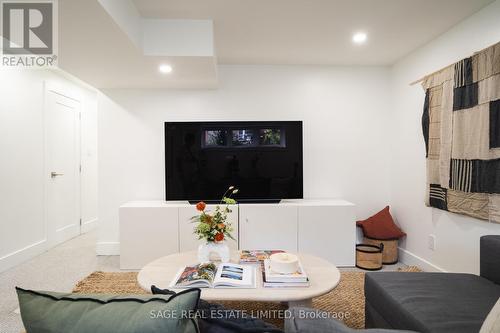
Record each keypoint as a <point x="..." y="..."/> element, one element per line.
<point x="94" y="48"/>
<point x="317" y="31"/>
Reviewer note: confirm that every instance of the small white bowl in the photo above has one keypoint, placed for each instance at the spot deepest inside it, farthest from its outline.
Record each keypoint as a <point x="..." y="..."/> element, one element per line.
<point x="284" y="263"/>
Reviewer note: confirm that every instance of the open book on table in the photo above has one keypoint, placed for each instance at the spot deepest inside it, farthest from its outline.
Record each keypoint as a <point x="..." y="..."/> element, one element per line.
<point x="209" y="275"/>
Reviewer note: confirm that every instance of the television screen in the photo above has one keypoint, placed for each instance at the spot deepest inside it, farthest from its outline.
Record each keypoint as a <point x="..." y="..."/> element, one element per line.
<point x="263" y="159"/>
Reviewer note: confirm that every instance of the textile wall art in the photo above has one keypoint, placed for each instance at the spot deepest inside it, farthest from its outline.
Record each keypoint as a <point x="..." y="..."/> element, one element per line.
<point x="461" y="127"/>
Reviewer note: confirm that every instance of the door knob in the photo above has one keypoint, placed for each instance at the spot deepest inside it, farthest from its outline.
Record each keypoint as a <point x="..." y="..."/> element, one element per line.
<point x="55" y="174"/>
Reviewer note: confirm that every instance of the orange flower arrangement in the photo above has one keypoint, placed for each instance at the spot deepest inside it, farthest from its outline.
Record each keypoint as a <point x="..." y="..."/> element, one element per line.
<point x="201" y="206"/>
<point x="219" y="237"/>
<point x="213" y="227"/>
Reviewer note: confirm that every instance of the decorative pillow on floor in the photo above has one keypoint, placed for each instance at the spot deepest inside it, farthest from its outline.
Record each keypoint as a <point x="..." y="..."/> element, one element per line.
<point x="492" y="322"/>
<point x="53" y="312"/>
<point x="381" y="226"/>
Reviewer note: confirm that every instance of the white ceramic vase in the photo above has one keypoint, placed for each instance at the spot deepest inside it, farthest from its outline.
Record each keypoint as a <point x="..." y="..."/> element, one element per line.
<point x="213" y="251"/>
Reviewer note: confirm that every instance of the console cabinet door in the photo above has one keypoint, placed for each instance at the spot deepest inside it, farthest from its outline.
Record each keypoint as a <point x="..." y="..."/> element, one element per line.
<point x="268" y="226"/>
<point x="188" y="241"/>
<point x="146" y="234"/>
<point x="328" y="232"/>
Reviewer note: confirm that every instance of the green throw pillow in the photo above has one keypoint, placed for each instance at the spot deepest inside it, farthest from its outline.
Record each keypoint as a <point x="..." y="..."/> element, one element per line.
<point x="44" y="312"/>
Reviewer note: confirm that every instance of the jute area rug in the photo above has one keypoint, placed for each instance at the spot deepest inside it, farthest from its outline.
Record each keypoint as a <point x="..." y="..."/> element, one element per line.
<point x="346" y="302"/>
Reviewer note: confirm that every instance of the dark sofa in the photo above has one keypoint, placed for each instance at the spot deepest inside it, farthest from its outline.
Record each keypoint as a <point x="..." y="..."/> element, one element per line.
<point x="435" y="302"/>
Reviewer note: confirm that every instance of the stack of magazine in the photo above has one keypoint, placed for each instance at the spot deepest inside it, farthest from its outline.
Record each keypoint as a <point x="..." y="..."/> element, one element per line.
<point x="272" y="279"/>
<point x="256" y="256"/>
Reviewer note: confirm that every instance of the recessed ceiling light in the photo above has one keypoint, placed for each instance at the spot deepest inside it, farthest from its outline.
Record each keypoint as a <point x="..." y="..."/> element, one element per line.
<point x="359" y="37"/>
<point x="165" y="69"/>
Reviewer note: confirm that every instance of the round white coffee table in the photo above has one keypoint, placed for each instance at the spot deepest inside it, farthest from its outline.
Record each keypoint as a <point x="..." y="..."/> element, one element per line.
<point x="323" y="277"/>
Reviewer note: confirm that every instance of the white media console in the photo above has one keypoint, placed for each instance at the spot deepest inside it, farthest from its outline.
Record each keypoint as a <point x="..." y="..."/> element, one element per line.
<point x="324" y="228"/>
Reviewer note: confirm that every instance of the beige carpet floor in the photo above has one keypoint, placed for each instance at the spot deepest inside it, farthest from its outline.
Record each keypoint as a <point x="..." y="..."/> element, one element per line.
<point x="346" y="302"/>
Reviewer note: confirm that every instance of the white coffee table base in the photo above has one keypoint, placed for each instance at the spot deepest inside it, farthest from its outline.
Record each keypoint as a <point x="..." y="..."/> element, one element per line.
<point x="305" y="303"/>
<point x="323" y="277"/>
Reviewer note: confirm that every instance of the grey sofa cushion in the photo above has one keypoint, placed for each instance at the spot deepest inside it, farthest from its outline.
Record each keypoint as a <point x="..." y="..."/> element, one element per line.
<point x="304" y="320"/>
<point x="53" y="312"/>
<point x="431" y="302"/>
<point x="490" y="258"/>
<point x="373" y="318"/>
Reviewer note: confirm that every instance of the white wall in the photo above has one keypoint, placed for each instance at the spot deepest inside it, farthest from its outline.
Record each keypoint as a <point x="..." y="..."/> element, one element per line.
<point x="22" y="225"/>
<point x="344" y="111"/>
<point x="89" y="176"/>
<point x="457" y="237"/>
<point x="363" y="139"/>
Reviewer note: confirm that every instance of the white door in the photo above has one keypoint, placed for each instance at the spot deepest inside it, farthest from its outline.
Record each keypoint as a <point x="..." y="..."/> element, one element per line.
<point x="62" y="119"/>
<point x="268" y="227"/>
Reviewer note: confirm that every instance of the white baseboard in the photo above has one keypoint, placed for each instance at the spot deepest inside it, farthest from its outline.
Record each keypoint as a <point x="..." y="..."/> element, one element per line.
<point x="89" y="225"/>
<point x="410" y="259"/>
<point x="17" y="257"/>
<point x="108" y="248"/>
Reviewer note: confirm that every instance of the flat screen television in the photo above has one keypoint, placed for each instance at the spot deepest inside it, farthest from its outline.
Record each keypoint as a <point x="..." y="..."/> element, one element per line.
<point x="263" y="159"/>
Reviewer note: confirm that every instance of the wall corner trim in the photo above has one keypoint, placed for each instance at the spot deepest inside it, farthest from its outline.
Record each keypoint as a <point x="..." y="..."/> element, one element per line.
<point x="89" y="225"/>
<point x="108" y="248"/>
<point x="17" y="257"/>
<point x="412" y="259"/>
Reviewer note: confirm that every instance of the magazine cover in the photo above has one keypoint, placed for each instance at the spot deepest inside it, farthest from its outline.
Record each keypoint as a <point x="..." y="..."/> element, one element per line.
<point x="201" y="273"/>
<point x="256" y="256"/>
